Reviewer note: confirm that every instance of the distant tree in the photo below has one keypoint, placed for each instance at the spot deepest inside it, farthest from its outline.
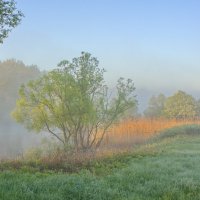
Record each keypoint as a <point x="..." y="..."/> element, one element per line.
<point x="73" y="103"/>
<point x="198" y="108"/>
<point x="10" y="17"/>
<point x="155" y="106"/>
<point x="180" y="106"/>
<point x="12" y="74"/>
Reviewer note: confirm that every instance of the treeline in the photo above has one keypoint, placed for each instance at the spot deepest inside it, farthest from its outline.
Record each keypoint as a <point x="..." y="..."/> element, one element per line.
<point x="73" y="100"/>
<point x="12" y="74"/>
<point x="13" y="137"/>
<point x="179" y="106"/>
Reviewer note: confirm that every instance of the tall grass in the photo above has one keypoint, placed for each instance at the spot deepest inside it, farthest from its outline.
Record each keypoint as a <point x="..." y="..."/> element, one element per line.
<point x="133" y="131"/>
<point x="120" y="140"/>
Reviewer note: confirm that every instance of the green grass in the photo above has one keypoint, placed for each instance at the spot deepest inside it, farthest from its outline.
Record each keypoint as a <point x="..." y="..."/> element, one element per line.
<point x="165" y="169"/>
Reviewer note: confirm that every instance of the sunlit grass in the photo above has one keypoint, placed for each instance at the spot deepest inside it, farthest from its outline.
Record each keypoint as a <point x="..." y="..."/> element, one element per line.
<point x="123" y="139"/>
<point x="166" y="169"/>
<point x="129" y="132"/>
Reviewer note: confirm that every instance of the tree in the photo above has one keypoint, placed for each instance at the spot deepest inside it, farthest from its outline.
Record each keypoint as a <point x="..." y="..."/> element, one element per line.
<point x="155" y="106"/>
<point x="180" y="106"/>
<point x="10" y="17"/>
<point x="13" y="138"/>
<point x="12" y="74"/>
<point x="73" y="103"/>
<point x="198" y="107"/>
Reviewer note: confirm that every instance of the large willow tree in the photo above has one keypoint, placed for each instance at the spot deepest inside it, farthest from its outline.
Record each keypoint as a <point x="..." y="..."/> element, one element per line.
<point x="73" y="103"/>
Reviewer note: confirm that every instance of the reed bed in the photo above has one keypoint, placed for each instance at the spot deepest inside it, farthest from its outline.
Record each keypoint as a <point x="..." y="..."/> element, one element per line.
<point x="133" y="131"/>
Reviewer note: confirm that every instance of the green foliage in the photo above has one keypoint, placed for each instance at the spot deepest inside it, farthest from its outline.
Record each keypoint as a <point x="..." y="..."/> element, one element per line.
<point x="73" y="103"/>
<point x="155" y="106"/>
<point x="180" y="106"/>
<point x="198" y="108"/>
<point x="10" y="17"/>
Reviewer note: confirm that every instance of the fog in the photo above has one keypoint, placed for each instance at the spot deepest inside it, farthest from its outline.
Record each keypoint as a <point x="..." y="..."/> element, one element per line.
<point x="14" y="138"/>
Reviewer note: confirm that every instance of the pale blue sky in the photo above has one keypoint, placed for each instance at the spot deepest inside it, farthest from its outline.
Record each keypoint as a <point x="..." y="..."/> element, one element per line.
<point x="154" y="42"/>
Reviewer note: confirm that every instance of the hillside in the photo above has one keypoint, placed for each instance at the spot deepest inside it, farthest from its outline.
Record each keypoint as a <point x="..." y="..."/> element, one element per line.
<point x="165" y="168"/>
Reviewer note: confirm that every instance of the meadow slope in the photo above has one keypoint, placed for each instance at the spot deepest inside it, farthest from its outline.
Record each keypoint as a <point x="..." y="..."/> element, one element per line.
<point x="166" y="168"/>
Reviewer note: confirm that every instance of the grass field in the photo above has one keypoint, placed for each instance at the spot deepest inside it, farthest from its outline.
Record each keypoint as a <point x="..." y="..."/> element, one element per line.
<point x="167" y="167"/>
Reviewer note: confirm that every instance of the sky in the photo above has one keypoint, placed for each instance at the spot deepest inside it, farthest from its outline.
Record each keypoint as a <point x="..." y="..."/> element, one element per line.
<point x="154" y="42"/>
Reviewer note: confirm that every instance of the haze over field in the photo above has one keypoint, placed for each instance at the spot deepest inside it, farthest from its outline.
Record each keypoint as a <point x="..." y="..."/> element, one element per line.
<point x="99" y="99"/>
<point x="155" y="43"/>
<point x="14" y="139"/>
